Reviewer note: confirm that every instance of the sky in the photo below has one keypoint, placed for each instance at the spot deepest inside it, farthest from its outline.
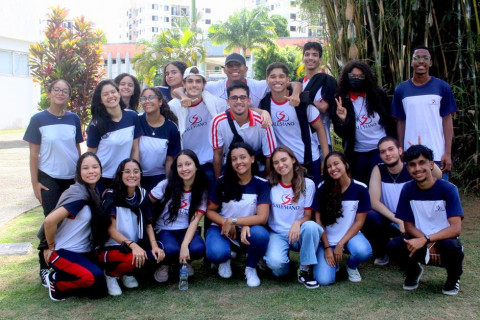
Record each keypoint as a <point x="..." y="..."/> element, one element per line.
<point x="106" y="13"/>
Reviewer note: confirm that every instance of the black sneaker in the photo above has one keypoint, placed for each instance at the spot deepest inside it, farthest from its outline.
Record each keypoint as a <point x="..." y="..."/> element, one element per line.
<point x="413" y="277"/>
<point x="451" y="287"/>
<point x="306" y="278"/>
<point x="43" y="277"/>
<point x="53" y="292"/>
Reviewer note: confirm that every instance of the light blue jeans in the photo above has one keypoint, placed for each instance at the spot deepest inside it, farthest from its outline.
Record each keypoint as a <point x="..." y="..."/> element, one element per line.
<point x="360" y="251"/>
<point x="278" y="247"/>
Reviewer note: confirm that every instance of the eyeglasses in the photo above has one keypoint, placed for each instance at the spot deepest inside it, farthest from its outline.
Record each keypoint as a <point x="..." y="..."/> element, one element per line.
<point x="424" y="58"/>
<point x="58" y="90"/>
<point x="352" y="76"/>
<point x="129" y="172"/>
<point x="149" y="98"/>
<point x="241" y="98"/>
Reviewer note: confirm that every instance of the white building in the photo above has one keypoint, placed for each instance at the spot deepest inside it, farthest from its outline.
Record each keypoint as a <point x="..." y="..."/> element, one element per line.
<point x="19" y="94"/>
<point x="290" y="11"/>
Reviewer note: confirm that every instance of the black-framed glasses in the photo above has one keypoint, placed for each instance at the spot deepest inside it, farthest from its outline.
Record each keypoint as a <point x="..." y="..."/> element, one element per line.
<point x="352" y="76"/>
<point x="149" y="98"/>
<point x="424" y="58"/>
<point x="63" y="91"/>
<point x="241" y="98"/>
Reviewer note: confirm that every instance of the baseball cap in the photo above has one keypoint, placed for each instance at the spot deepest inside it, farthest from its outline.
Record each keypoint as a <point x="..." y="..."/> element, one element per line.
<point x="193" y="71"/>
<point x="235" y="57"/>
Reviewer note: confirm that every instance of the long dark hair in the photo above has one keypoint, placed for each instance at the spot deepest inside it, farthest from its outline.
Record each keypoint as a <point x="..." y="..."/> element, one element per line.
<point x="135" y="98"/>
<point x="100" y="221"/>
<point x="175" y="189"/>
<point x="298" y="180"/>
<point x="119" y="188"/>
<point x="229" y="187"/>
<point x="371" y="87"/>
<point x="179" y="64"/>
<point x="331" y="193"/>
<point x="100" y="116"/>
<point x="164" y="108"/>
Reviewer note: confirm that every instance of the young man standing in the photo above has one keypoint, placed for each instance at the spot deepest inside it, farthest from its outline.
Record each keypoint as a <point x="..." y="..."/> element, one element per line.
<point x="292" y="124"/>
<point x="194" y="121"/>
<point x="245" y="122"/>
<point x="423" y="98"/>
<point x="319" y="86"/>
<point x="432" y="215"/>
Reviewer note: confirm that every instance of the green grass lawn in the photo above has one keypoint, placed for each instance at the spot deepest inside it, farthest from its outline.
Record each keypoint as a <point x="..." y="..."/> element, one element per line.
<point x="378" y="296"/>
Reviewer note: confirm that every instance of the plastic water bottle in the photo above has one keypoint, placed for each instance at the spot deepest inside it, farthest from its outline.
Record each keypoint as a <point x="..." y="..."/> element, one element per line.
<point x="183" y="284"/>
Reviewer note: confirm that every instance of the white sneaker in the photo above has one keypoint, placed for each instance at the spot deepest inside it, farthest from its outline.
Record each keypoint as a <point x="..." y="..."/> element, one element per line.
<point x="381" y="261"/>
<point x="190" y="270"/>
<point x="112" y="285"/>
<point x="354" y="275"/>
<point x="252" y="277"/>
<point x="161" y="274"/>
<point x="224" y="269"/>
<point x="129" y="282"/>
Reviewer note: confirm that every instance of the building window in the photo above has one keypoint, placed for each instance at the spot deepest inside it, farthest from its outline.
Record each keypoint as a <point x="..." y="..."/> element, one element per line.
<point x="154" y="18"/>
<point x="293" y="28"/>
<point x="154" y="6"/>
<point x="293" y="16"/>
<point x="208" y="10"/>
<point x="154" y="29"/>
<point x="208" y="21"/>
<point x="6" y="62"/>
<point x="184" y="11"/>
<point x="272" y="7"/>
<point x="292" y="3"/>
<point x="174" y="11"/>
<point x="165" y="8"/>
<point x="14" y="63"/>
<point x="166" y="19"/>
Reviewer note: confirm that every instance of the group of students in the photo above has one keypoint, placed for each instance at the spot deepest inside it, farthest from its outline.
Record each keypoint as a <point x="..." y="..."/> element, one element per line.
<point x="246" y="154"/>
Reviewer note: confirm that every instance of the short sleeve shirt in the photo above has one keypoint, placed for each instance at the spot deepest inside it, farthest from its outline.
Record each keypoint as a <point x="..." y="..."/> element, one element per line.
<point x="58" y="138"/>
<point x="197" y="131"/>
<point x="258" y="89"/>
<point x="74" y="232"/>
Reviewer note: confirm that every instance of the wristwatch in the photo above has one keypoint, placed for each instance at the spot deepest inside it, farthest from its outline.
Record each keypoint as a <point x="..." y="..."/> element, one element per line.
<point x="234" y="221"/>
<point x="427" y="237"/>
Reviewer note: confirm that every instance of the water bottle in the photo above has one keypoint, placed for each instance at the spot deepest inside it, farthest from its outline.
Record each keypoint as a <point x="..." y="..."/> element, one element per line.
<point x="183" y="284"/>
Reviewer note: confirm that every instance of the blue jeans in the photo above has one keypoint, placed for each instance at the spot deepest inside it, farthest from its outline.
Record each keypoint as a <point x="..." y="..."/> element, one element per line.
<point x="172" y="240"/>
<point x="360" y="251"/>
<point x="278" y="247"/>
<point x="218" y="246"/>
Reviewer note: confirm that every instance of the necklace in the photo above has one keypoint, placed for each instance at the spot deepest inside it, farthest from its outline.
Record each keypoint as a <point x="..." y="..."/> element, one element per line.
<point x="359" y="114"/>
<point x="58" y="116"/>
<point x="159" y="122"/>
<point x="153" y="130"/>
<point x="396" y="176"/>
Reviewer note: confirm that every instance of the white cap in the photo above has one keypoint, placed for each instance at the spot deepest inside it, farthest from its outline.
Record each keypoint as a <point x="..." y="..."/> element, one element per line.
<point x="193" y="71"/>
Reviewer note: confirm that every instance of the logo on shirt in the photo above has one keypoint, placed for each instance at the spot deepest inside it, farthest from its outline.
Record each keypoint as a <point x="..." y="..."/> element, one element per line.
<point x="286" y="199"/>
<point x="439" y="208"/>
<point x="184" y="203"/>
<point x="195" y="121"/>
<point x="282" y="120"/>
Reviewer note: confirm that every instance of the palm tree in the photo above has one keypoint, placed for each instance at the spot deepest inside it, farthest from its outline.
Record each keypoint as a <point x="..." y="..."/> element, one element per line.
<point x="179" y="43"/>
<point x="245" y="30"/>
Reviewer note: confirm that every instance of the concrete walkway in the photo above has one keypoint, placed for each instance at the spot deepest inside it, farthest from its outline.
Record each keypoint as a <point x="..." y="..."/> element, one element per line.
<point x="16" y="194"/>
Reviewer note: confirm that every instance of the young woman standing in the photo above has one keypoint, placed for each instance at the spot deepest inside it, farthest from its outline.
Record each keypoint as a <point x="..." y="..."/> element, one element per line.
<point x="54" y="136"/>
<point x="341" y="205"/>
<point x="113" y="133"/>
<point x="129" y="90"/>
<point x="161" y="140"/>
<point x="68" y="231"/>
<point x="238" y="208"/>
<point x="129" y="208"/>
<point x="290" y="218"/>
<point x="182" y="202"/>
<point x="172" y="78"/>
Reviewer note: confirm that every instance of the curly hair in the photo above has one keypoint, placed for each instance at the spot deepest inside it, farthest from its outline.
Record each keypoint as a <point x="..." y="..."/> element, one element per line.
<point x="298" y="180"/>
<point x="175" y="188"/>
<point x="100" y="116"/>
<point x="135" y="98"/>
<point x="164" y="108"/>
<point x="100" y="221"/>
<point x="343" y="89"/>
<point x="228" y="187"/>
<point x="330" y="193"/>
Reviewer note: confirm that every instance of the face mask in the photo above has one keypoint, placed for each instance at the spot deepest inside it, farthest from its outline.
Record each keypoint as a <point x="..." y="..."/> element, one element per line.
<point x="357" y="85"/>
